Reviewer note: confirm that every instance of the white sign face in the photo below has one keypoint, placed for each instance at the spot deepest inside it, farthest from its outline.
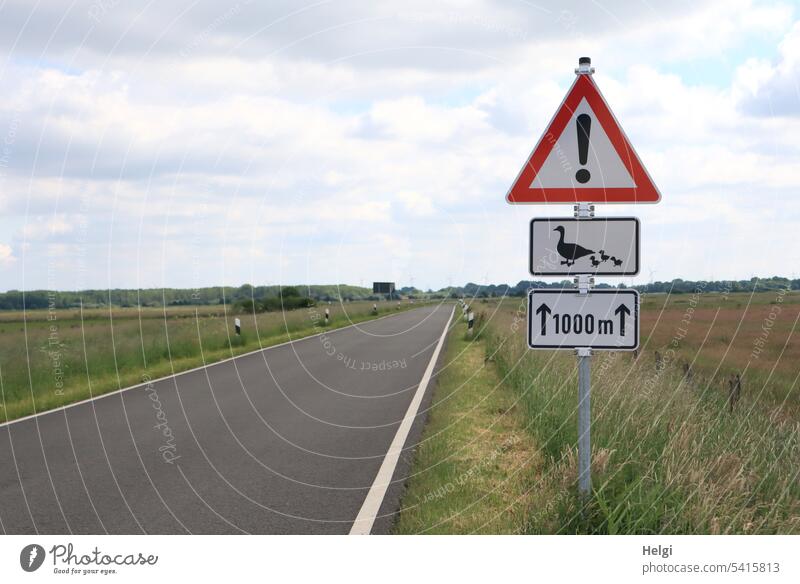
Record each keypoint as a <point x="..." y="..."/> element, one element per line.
<point x="565" y="319"/>
<point x="584" y="145"/>
<point x="594" y="246"/>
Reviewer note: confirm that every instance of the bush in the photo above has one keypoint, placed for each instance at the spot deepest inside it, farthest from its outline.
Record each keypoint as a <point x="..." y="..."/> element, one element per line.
<point x="274" y="304"/>
<point x="289" y="292"/>
<point x="245" y="305"/>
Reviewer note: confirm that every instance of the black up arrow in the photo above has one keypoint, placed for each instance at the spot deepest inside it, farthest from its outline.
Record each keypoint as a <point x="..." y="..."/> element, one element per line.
<point x="544" y="310"/>
<point x="622" y="310"/>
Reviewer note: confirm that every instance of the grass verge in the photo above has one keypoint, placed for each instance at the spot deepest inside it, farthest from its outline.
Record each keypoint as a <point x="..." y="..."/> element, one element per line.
<point x="472" y="469"/>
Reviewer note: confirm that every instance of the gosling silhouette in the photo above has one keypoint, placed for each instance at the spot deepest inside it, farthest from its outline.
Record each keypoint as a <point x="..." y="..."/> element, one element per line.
<point x="595" y="261"/>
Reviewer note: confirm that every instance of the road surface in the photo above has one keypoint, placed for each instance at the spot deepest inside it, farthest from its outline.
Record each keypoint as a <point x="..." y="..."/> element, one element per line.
<point x="285" y="440"/>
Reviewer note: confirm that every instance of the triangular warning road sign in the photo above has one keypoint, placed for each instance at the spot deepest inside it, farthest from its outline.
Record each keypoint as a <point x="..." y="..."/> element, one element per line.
<point x="583" y="156"/>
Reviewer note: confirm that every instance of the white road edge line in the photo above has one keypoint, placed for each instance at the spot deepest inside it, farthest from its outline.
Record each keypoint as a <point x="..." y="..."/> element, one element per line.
<point x="372" y="504"/>
<point x="206" y="366"/>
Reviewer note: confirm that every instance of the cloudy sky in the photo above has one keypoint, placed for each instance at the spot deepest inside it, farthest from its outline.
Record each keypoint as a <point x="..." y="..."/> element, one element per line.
<point x="187" y="144"/>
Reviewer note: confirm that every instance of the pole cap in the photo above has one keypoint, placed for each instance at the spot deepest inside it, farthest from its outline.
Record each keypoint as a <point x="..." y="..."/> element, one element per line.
<point x="584" y="66"/>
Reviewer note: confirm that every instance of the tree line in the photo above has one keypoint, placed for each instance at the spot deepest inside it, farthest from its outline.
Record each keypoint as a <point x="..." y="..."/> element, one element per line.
<point x="269" y="297"/>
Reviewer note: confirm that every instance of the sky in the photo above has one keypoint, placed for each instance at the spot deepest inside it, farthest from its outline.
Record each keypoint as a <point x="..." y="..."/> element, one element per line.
<point x="202" y="143"/>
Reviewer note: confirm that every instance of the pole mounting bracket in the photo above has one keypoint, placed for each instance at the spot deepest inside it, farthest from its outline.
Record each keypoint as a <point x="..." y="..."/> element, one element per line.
<point x="583" y="210"/>
<point x="584" y="282"/>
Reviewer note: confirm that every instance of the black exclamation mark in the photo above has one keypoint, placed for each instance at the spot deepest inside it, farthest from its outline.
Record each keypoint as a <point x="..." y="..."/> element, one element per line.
<point x="584" y="125"/>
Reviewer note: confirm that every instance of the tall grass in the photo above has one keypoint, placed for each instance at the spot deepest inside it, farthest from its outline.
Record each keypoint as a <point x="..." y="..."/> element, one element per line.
<point x="669" y="455"/>
<point x="48" y="359"/>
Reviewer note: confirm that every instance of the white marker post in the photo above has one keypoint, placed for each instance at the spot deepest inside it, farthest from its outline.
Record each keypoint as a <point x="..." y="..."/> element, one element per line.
<point x="470" y="322"/>
<point x="327" y="316"/>
<point x="238" y="326"/>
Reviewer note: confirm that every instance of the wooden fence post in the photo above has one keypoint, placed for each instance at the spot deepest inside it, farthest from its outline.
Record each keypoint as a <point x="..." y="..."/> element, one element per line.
<point x="735" y="390"/>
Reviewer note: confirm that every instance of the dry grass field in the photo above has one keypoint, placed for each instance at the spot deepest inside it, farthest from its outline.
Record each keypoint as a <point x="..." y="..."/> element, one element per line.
<point x="756" y="336"/>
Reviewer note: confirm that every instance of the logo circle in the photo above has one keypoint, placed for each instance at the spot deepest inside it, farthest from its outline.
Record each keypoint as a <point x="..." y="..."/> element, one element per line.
<point x="31" y="557"/>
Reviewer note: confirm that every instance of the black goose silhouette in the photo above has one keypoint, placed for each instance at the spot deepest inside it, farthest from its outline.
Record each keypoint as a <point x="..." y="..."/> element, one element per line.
<point x="569" y="251"/>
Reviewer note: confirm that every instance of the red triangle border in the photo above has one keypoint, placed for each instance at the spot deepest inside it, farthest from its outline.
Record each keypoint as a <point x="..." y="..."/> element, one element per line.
<point x="645" y="190"/>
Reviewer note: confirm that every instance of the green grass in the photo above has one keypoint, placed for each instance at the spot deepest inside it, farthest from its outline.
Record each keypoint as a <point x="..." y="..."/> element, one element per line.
<point x="472" y="466"/>
<point x="668" y="454"/>
<point x="45" y="363"/>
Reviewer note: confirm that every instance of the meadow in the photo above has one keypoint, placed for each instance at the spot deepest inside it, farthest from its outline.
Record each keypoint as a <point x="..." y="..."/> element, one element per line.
<point x="673" y="450"/>
<point x="49" y="358"/>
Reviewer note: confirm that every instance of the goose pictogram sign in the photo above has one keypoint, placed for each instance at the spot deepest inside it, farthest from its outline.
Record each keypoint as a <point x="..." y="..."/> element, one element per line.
<point x="583" y="156"/>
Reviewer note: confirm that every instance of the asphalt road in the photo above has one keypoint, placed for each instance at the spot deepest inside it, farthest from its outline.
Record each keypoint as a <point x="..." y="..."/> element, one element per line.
<point x="285" y="440"/>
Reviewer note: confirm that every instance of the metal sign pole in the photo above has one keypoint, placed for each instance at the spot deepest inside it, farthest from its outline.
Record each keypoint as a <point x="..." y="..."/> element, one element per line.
<point x="584" y="422"/>
<point x="584" y="211"/>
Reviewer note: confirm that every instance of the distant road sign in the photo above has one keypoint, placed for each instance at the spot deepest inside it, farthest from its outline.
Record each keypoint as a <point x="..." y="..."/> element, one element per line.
<point x="383" y="287"/>
<point x="567" y="319"/>
<point x="598" y="247"/>
<point x="583" y="156"/>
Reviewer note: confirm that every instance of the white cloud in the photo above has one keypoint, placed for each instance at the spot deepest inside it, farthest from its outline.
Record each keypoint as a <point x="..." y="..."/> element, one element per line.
<point x="768" y="88"/>
<point x="41" y="228"/>
<point x="385" y="138"/>
<point x="708" y="30"/>
<point x="6" y="255"/>
<point x="416" y="203"/>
